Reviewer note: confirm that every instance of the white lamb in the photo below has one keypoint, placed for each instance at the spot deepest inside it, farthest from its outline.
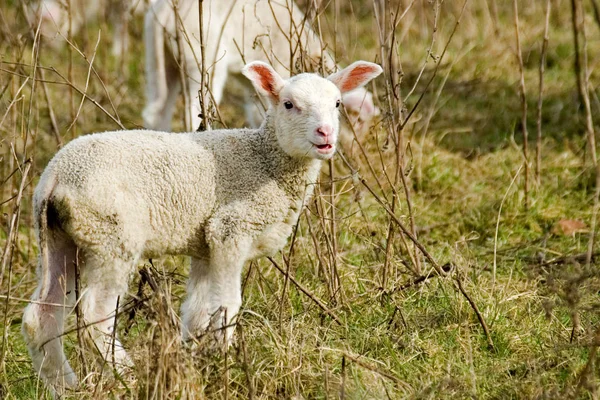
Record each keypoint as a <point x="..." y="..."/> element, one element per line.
<point x="109" y="199"/>
<point x="234" y="30"/>
<point x="54" y="18"/>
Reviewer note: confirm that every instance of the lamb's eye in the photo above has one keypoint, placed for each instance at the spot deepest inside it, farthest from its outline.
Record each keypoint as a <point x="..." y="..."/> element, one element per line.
<point x="337" y="104"/>
<point x="288" y="105"/>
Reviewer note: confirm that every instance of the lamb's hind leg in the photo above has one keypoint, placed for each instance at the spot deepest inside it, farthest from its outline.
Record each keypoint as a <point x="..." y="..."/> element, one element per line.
<point x="43" y="320"/>
<point x="106" y="283"/>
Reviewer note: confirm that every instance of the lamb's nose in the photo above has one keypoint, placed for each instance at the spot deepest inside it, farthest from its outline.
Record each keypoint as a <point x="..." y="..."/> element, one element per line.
<point x="325" y="130"/>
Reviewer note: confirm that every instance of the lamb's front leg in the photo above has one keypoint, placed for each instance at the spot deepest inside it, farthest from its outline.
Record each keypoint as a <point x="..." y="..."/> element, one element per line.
<point x="214" y="292"/>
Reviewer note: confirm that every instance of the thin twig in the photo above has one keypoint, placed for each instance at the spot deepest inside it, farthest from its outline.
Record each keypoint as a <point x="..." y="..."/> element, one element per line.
<point x="308" y="293"/>
<point x="589" y="128"/>
<point x="494" y="265"/>
<point x="404" y="229"/>
<point x="477" y="312"/>
<point x="14" y="221"/>
<point x="523" y="97"/>
<point x="7" y="254"/>
<point x="205" y="126"/>
<point x="538" y="147"/>
<point x="423" y="278"/>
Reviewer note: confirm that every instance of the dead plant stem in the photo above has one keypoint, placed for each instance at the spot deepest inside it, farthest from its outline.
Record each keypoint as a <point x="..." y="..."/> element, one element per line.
<point x="311" y="296"/>
<point x="538" y="146"/>
<point x="523" y="98"/>
<point x="205" y="125"/>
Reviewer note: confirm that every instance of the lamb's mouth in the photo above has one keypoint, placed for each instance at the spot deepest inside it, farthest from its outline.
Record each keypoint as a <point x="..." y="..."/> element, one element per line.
<point x="326" y="148"/>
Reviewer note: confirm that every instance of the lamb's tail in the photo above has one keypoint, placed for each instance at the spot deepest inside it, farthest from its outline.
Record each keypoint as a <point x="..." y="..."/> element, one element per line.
<point x="42" y="201"/>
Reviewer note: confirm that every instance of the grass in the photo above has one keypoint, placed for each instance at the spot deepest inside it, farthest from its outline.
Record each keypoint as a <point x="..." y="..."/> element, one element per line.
<point x="398" y="340"/>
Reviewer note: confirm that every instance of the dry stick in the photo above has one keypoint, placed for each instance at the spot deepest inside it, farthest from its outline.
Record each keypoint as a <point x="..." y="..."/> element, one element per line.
<point x="29" y="301"/>
<point x="589" y="125"/>
<point x="7" y="254"/>
<point x="14" y="221"/>
<point x="43" y="79"/>
<point x="287" y="261"/>
<point x="71" y="85"/>
<point x="333" y="232"/>
<point x="332" y="196"/>
<point x="51" y="114"/>
<point x="245" y="364"/>
<point x="183" y="73"/>
<point x="36" y="56"/>
<point x="436" y="266"/>
<point x="523" y="105"/>
<point x="87" y="84"/>
<point x="392" y="90"/>
<point x="404" y="229"/>
<point x="225" y="353"/>
<point x="35" y="38"/>
<point x="437" y="66"/>
<point x="538" y="146"/>
<point x="84" y="94"/>
<point x="479" y="315"/>
<point x="97" y="75"/>
<point x="70" y="69"/>
<point x="308" y="293"/>
<point x="393" y="127"/>
<point x="181" y="63"/>
<point x="284" y="291"/>
<point x="205" y="125"/>
<point x="588" y="369"/>
<point x="423" y="278"/>
<point x="319" y="256"/>
<point x="334" y="280"/>
<point x="498" y="227"/>
<point x="596" y="11"/>
<point x="15" y="99"/>
<point x="78" y="317"/>
<point x="343" y="383"/>
<point x="575" y="18"/>
<point x="114" y="332"/>
<point x="361" y="361"/>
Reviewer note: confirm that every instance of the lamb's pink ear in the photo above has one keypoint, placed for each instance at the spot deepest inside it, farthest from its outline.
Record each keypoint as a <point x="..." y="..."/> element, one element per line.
<point x="266" y="81"/>
<point x="355" y="75"/>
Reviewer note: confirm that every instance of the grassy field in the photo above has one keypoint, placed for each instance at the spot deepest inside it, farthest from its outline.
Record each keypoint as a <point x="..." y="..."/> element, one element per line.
<point x="496" y="301"/>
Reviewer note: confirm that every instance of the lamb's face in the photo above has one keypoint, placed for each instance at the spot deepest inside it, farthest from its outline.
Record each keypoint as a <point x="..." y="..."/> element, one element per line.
<point x="307" y="117"/>
<point x="305" y="108"/>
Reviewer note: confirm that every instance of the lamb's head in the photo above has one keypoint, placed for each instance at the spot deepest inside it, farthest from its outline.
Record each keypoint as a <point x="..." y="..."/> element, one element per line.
<point x="305" y="108"/>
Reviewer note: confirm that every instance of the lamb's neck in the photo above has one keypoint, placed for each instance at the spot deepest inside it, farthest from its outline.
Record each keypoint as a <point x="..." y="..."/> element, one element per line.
<point x="297" y="175"/>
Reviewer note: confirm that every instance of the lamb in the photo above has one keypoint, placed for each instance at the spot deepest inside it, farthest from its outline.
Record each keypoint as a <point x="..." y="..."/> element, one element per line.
<point x="54" y="19"/>
<point x="109" y="199"/>
<point x="234" y="30"/>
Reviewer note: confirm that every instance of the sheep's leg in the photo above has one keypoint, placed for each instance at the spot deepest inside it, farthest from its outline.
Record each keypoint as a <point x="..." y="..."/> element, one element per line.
<point x="195" y="309"/>
<point x="106" y="284"/>
<point x="156" y="70"/>
<point x="173" y="90"/>
<point x="119" y="13"/>
<point x="214" y="291"/>
<point x="43" y="320"/>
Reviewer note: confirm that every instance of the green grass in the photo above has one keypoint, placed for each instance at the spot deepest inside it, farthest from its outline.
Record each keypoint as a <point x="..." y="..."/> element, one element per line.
<point x="423" y="341"/>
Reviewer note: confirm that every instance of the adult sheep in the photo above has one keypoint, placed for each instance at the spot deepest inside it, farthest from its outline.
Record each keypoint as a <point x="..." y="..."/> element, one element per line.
<point x="275" y="31"/>
<point x="107" y="200"/>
